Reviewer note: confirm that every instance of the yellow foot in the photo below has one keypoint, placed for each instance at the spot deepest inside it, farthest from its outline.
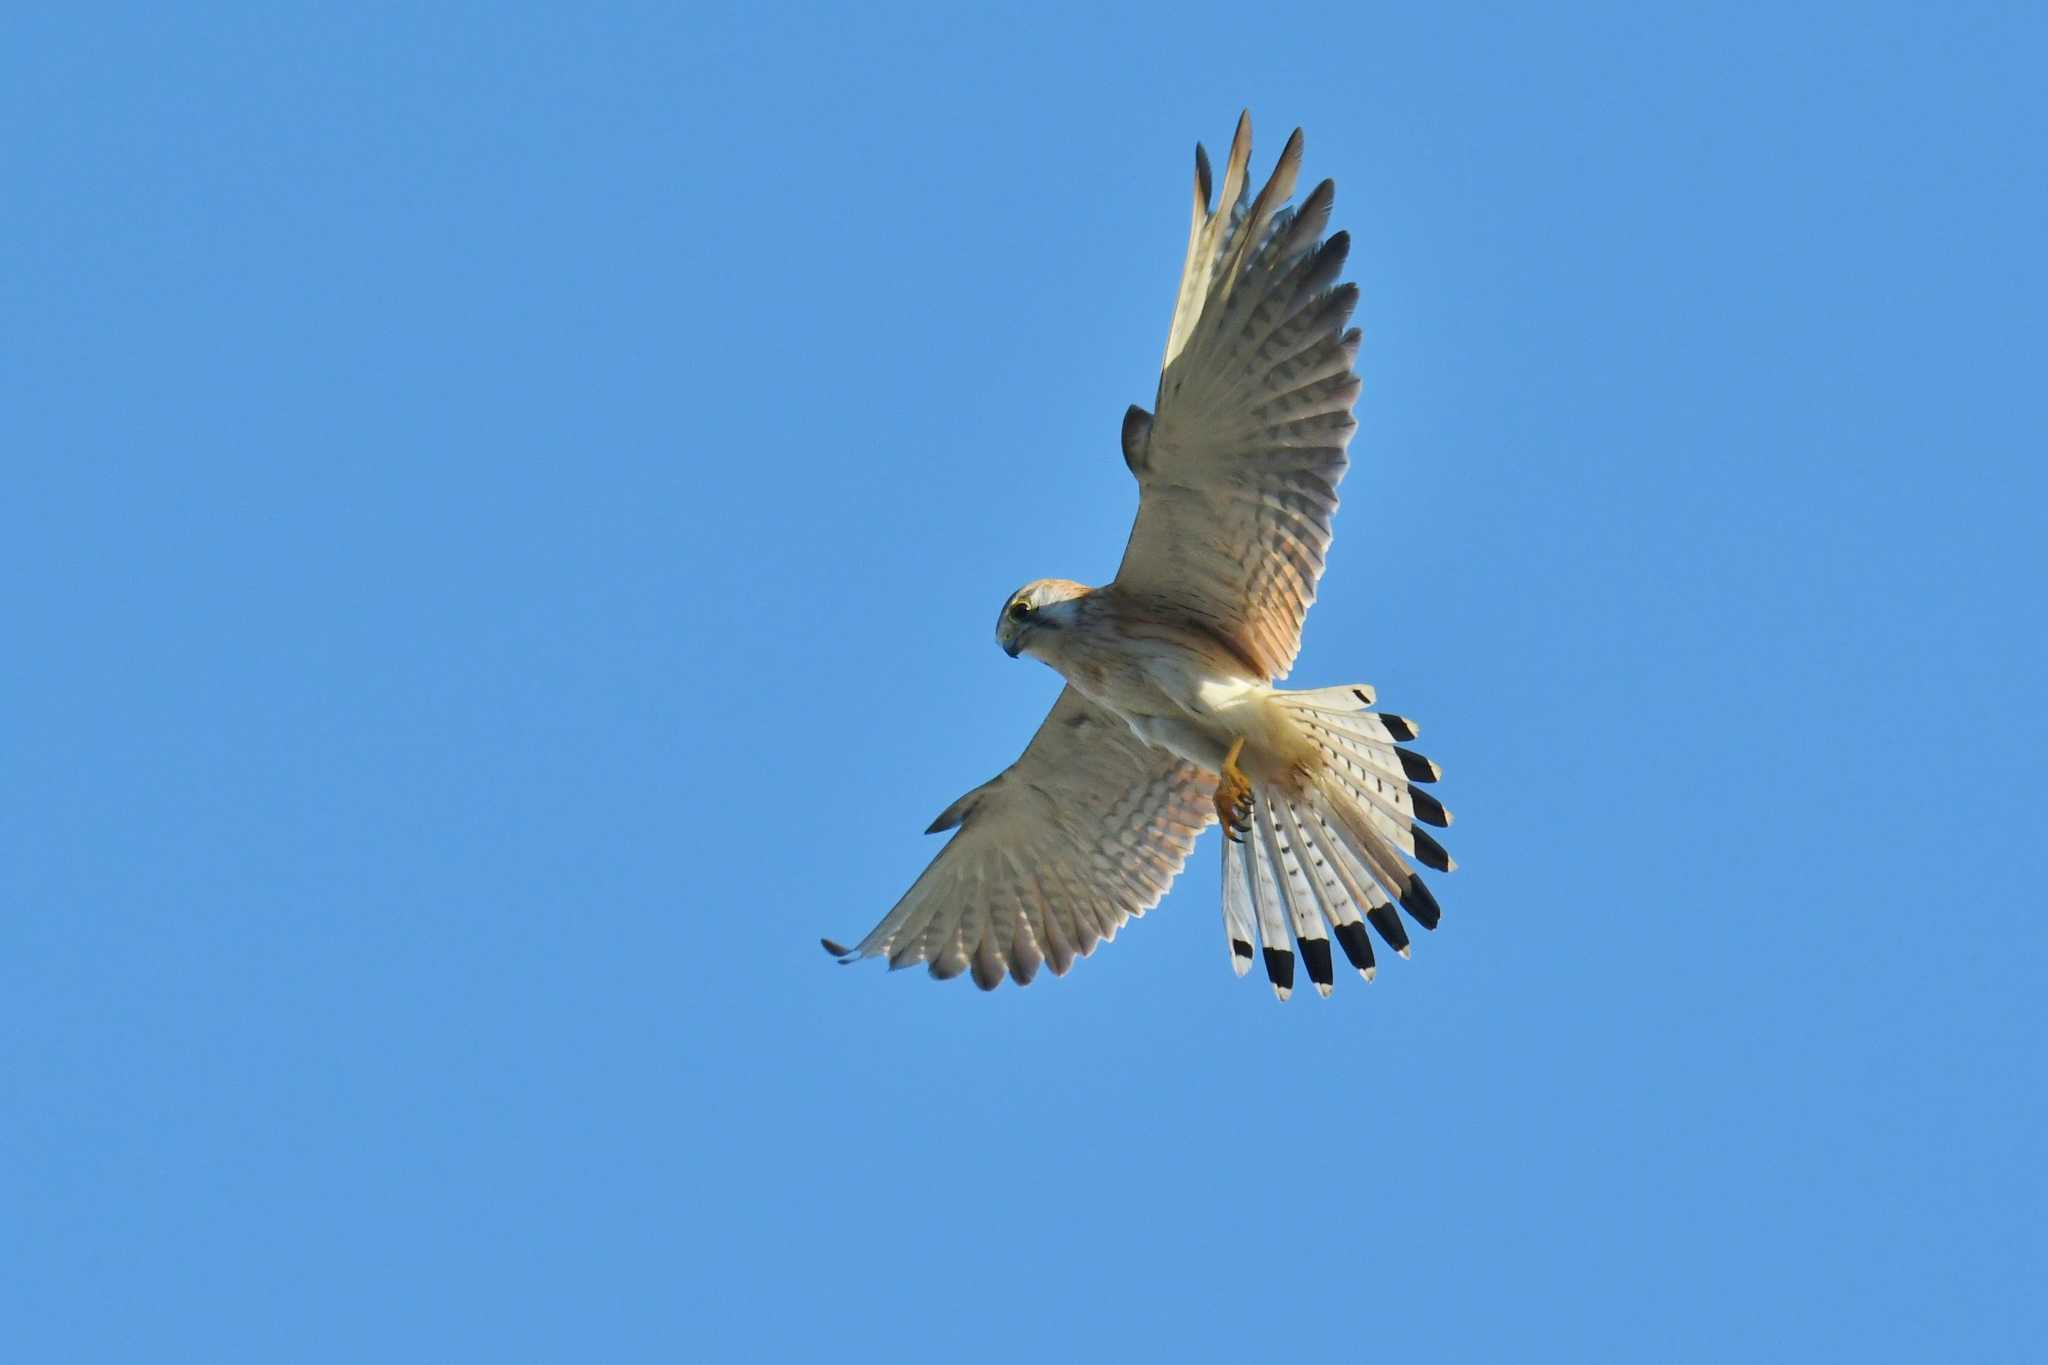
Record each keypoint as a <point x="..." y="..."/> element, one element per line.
<point x="1234" y="795"/>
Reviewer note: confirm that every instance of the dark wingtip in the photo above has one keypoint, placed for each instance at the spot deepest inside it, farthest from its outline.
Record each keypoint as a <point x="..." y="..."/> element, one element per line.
<point x="1240" y="948"/>
<point x="1428" y="809"/>
<point x="1204" y="184"/>
<point x="836" y="949"/>
<point x="1399" y="727"/>
<point x="1327" y="263"/>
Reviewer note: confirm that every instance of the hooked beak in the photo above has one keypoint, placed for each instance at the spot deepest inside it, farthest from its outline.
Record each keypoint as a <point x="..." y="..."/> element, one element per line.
<point x="1016" y="643"/>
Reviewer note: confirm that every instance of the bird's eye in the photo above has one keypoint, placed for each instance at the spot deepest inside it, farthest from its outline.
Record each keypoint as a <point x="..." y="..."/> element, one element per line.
<point x="1019" y="609"/>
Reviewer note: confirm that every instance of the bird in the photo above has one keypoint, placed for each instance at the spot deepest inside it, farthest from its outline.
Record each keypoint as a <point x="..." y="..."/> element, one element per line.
<point x="1171" y="718"/>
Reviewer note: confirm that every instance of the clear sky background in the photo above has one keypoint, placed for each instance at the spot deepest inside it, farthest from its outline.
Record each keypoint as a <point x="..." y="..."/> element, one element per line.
<point x="504" y="514"/>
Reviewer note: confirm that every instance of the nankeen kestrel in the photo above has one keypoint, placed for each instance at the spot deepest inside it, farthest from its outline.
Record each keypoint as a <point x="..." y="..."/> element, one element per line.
<point x="1170" y="718"/>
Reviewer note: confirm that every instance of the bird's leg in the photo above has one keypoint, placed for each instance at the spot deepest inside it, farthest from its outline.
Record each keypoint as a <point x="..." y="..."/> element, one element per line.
<point x="1234" y="795"/>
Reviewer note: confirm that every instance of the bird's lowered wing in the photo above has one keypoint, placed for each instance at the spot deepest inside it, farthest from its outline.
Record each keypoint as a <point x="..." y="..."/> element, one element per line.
<point x="1238" y="471"/>
<point x="1087" y="828"/>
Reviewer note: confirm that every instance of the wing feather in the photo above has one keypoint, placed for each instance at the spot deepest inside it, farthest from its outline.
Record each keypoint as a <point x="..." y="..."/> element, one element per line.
<point x="1239" y="467"/>
<point x="1087" y="828"/>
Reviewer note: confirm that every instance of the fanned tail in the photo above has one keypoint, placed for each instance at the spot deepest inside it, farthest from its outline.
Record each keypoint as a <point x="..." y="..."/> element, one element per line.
<point x="1328" y="855"/>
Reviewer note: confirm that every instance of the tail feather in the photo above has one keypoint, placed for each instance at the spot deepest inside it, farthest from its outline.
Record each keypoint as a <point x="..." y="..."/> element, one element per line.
<point x="1237" y="906"/>
<point x="1365" y="871"/>
<point x="1392" y="813"/>
<point x="1310" y="934"/>
<point x="1312" y="867"/>
<point x="1330" y="901"/>
<point x="1429" y="852"/>
<point x="1428" y="809"/>
<point x="1357" y="946"/>
<point x="1275" y="946"/>
<point x="1373" y="852"/>
<point x="1388" y="926"/>
<point x="1385" y="863"/>
<point x="1362" y="760"/>
<point x="1372" y="782"/>
<point x="1328" y="854"/>
<point x="1262" y="889"/>
<point x="1349" y="895"/>
<point x="1336" y="700"/>
<point x="1367" y="744"/>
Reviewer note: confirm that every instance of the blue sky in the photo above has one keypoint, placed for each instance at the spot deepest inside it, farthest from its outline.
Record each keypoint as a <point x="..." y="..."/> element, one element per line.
<point x="506" y="509"/>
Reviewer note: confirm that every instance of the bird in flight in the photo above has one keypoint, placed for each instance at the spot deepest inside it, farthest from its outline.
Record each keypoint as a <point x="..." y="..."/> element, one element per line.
<point x="1170" y="717"/>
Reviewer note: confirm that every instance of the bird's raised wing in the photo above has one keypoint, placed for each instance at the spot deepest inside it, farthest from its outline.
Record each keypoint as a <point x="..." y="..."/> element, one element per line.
<point x="1238" y="472"/>
<point x="1088" y="827"/>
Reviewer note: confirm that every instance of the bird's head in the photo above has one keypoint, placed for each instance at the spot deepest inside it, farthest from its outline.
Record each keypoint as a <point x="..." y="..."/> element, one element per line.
<point x="1036" y="611"/>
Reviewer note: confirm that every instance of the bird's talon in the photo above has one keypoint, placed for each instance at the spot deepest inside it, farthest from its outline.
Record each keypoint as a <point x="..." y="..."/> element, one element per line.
<point x="1234" y="803"/>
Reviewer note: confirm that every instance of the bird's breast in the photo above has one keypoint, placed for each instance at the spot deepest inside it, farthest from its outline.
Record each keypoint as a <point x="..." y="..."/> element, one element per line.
<point x="1121" y="684"/>
<point x="1145" y="674"/>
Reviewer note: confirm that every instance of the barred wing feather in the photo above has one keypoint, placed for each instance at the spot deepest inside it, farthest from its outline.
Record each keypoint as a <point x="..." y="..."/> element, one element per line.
<point x="1238" y="471"/>
<point x="1086" y="829"/>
